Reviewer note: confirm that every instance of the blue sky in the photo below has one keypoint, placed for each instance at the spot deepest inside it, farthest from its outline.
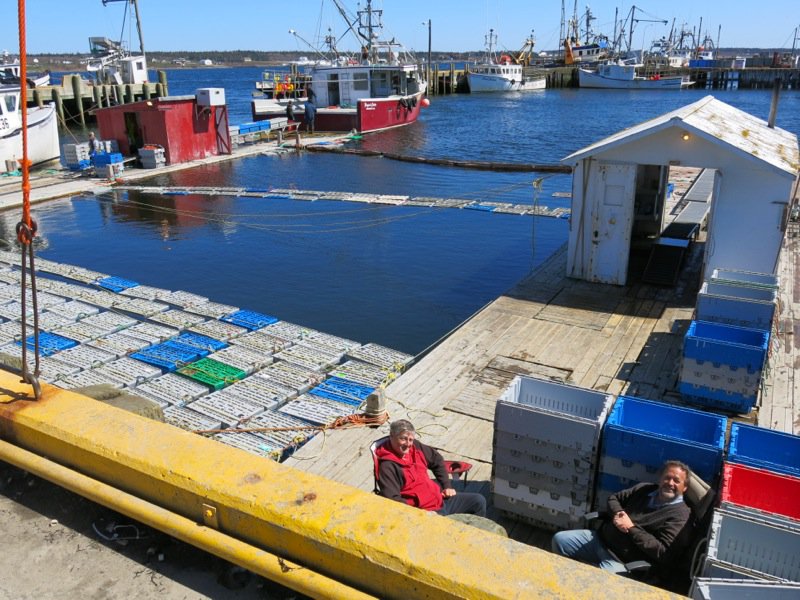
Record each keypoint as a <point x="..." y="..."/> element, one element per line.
<point x="460" y="25"/>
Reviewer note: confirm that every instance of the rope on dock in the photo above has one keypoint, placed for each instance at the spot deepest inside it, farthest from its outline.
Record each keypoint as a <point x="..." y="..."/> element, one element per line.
<point x="447" y="162"/>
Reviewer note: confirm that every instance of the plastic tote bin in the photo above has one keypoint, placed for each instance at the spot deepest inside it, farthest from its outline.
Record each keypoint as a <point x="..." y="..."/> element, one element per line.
<point x="764" y="490"/>
<point x="738" y="305"/>
<point x="557" y="413"/>
<point x="763" y="549"/>
<point x="650" y="433"/>
<point x="738" y="347"/>
<point x="739" y="589"/>
<point x="753" y="279"/>
<point x="765" y="449"/>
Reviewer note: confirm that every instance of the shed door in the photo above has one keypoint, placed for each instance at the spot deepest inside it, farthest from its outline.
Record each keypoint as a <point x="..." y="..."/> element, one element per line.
<point x="612" y="217"/>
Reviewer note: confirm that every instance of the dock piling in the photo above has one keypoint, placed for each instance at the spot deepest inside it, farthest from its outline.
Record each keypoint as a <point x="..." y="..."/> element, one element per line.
<point x="77" y="95"/>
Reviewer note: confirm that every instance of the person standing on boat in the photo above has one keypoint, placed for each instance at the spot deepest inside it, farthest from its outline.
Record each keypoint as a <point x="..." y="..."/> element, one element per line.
<point x="290" y="110"/>
<point x="644" y="522"/>
<point x="310" y="115"/>
<point x="403" y="464"/>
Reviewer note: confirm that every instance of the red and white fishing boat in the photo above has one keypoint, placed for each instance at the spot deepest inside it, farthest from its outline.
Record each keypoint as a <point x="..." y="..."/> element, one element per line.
<point x="379" y="89"/>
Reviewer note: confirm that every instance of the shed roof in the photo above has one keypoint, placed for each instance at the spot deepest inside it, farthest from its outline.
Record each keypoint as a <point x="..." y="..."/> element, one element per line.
<point x="719" y="123"/>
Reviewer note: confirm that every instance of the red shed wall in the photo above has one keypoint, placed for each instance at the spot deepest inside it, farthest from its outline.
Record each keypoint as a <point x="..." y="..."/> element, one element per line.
<point x="185" y="132"/>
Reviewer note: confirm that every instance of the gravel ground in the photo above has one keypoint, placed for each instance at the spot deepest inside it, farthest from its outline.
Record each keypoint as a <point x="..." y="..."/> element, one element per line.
<point x="52" y="549"/>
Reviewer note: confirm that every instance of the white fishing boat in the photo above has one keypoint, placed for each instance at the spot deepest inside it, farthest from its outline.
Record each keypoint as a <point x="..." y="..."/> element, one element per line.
<point x="111" y="61"/>
<point x="504" y="73"/>
<point x="10" y="74"/>
<point x="42" y="130"/>
<point x="622" y="76"/>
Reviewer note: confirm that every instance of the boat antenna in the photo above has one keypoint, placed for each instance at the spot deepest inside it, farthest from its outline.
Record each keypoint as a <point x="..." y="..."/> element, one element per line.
<point x="26" y="228"/>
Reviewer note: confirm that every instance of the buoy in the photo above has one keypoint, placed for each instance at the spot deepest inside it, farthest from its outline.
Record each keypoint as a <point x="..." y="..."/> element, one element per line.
<point x="426" y="102"/>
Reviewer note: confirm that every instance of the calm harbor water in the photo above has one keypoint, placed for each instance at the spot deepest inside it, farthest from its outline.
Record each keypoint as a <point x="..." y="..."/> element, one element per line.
<point x="399" y="276"/>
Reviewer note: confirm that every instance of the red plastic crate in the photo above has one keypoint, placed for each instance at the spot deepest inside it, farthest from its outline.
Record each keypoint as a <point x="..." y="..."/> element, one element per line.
<point x="764" y="490"/>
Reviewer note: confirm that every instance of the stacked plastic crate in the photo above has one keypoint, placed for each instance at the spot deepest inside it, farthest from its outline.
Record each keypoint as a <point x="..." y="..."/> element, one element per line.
<point x="755" y="533"/>
<point x="76" y="156"/>
<point x="546" y="440"/>
<point x="108" y="163"/>
<point x="152" y="156"/>
<point x="726" y="346"/>
<point x="640" y="435"/>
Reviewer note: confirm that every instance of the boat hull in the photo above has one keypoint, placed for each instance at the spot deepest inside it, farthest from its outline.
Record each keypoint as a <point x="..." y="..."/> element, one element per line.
<point x="42" y="138"/>
<point x="369" y="114"/>
<point x="589" y="79"/>
<point x="479" y="83"/>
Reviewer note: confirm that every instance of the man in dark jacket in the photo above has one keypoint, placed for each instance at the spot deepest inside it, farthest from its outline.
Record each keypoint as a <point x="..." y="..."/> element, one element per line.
<point x="403" y="464"/>
<point x="644" y="523"/>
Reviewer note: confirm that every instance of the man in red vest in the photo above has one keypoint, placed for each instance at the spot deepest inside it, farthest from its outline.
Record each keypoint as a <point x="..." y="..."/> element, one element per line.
<point x="403" y="464"/>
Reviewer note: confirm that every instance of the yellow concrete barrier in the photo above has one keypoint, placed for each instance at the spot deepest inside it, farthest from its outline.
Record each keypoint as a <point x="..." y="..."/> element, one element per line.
<point x="348" y="535"/>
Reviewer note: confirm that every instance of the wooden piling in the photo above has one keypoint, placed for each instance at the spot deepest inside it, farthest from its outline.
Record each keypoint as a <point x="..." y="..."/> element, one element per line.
<point x="145" y="91"/>
<point x="59" y="105"/>
<point x="162" y="79"/>
<point x="129" y="96"/>
<point x="78" y="97"/>
<point x="97" y="95"/>
<point x="37" y="98"/>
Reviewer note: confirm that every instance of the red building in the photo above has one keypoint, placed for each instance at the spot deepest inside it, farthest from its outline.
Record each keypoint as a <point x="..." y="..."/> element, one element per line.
<point x="188" y="127"/>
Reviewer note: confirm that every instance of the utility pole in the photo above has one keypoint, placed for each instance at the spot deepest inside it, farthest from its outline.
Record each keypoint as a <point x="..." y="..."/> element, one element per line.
<point x="428" y="74"/>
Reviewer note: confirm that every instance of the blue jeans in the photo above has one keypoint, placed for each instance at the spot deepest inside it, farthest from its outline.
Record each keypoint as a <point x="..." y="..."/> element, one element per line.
<point x="464" y="502"/>
<point x="585" y="545"/>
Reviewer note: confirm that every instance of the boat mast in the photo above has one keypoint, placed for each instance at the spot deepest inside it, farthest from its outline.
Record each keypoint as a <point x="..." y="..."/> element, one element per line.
<point x="138" y="21"/>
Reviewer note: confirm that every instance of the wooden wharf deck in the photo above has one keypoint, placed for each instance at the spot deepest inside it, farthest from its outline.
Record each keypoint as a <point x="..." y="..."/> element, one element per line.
<point x="619" y="339"/>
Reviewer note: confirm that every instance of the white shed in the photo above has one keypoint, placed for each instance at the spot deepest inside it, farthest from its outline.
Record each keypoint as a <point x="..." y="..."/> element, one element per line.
<point x="619" y="188"/>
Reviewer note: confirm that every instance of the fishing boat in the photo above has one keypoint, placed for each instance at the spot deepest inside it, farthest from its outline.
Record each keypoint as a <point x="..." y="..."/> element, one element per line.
<point x="503" y="74"/>
<point x="378" y="89"/>
<point x="111" y="61"/>
<point x="10" y="74"/>
<point x="42" y="130"/>
<point x="622" y="76"/>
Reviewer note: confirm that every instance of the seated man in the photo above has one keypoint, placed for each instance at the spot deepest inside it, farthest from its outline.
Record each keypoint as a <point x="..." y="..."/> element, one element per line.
<point x="643" y="523"/>
<point x="403" y="464"/>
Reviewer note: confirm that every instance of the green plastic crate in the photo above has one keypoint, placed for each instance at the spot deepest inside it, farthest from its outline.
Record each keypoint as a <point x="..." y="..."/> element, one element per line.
<point x="212" y="373"/>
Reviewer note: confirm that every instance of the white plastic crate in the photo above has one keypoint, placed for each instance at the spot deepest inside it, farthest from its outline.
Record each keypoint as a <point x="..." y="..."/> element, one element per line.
<point x="553" y="412"/>
<point x="761" y="548"/>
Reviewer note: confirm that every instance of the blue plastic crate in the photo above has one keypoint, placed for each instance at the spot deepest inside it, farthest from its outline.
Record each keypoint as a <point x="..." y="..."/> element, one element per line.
<point x="737" y="347"/>
<point x="341" y="390"/>
<point x="187" y="348"/>
<point x="650" y="433"/>
<point x="168" y="356"/>
<point x="103" y="159"/>
<point x="200" y="341"/>
<point x="249" y="319"/>
<point x="483" y="207"/>
<point x="49" y="343"/>
<point x="765" y="449"/>
<point x="116" y="284"/>
<point x="701" y="395"/>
